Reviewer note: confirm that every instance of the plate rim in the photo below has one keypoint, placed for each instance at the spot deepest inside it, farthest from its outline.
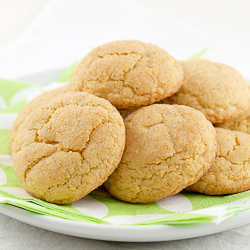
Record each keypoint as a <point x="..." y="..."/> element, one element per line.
<point x="122" y="233"/>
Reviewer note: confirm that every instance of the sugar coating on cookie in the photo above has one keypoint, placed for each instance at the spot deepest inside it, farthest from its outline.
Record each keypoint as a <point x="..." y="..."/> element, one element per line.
<point x="168" y="147"/>
<point x="69" y="147"/>
<point x="241" y="124"/>
<point x="129" y="74"/>
<point x="35" y="103"/>
<point x="230" y="172"/>
<point x="217" y="90"/>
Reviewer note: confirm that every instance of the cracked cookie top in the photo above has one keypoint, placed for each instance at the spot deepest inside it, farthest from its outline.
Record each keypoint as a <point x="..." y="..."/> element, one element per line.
<point x="168" y="147"/>
<point x="217" y="90"/>
<point x="230" y="172"/>
<point x="129" y="74"/>
<point x="35" y="103"/>
<point x="69" y="147"/>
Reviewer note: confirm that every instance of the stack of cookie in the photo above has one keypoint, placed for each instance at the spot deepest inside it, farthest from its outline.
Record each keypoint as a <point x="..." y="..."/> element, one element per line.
<point x="67" y="142"/>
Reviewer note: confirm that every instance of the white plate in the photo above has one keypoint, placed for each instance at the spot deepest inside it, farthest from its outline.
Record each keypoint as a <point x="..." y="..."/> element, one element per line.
<point x="149" y="233"/>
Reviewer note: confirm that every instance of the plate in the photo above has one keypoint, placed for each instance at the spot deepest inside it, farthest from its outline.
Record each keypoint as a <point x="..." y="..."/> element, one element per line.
<point x="149" y="233"/>
<point x="136" y="233"/>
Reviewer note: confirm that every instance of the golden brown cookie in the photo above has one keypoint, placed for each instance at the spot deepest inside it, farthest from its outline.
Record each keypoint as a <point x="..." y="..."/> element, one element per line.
<point x="168" y="147"/>
<point x="35" y="103"/>
<point x="241" y="124"/>
<point x="129" y="74"/>
<point x="230" y="172"/>
<point x="217" y="90"/>
<point x="69" y="147"/>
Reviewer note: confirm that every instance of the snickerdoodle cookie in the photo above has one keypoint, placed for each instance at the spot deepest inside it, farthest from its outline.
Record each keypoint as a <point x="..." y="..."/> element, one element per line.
<point x="241" y="124"/>
<point x="217" y="90"/>
<point x="128" y="73"/>
<point x="168" y="147"/>
<point x="35" y="103"/>
<point x="230" y="172"/>
<point x="69" y="147"/>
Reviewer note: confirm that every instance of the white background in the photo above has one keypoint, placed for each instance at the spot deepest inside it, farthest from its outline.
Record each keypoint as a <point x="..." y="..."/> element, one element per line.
<point x="227" y="18"/>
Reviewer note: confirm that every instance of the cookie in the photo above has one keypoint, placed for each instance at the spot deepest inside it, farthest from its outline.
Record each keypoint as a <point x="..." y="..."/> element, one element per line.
<point x="69" y="147"/>
<point x="35" y="103"/>
<point x="230" y="172"/>
<point x="168" y="147"/>
<point x="241" y="124"/>
<point x="129" y="74"/>
<point x="217" y="90"/>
